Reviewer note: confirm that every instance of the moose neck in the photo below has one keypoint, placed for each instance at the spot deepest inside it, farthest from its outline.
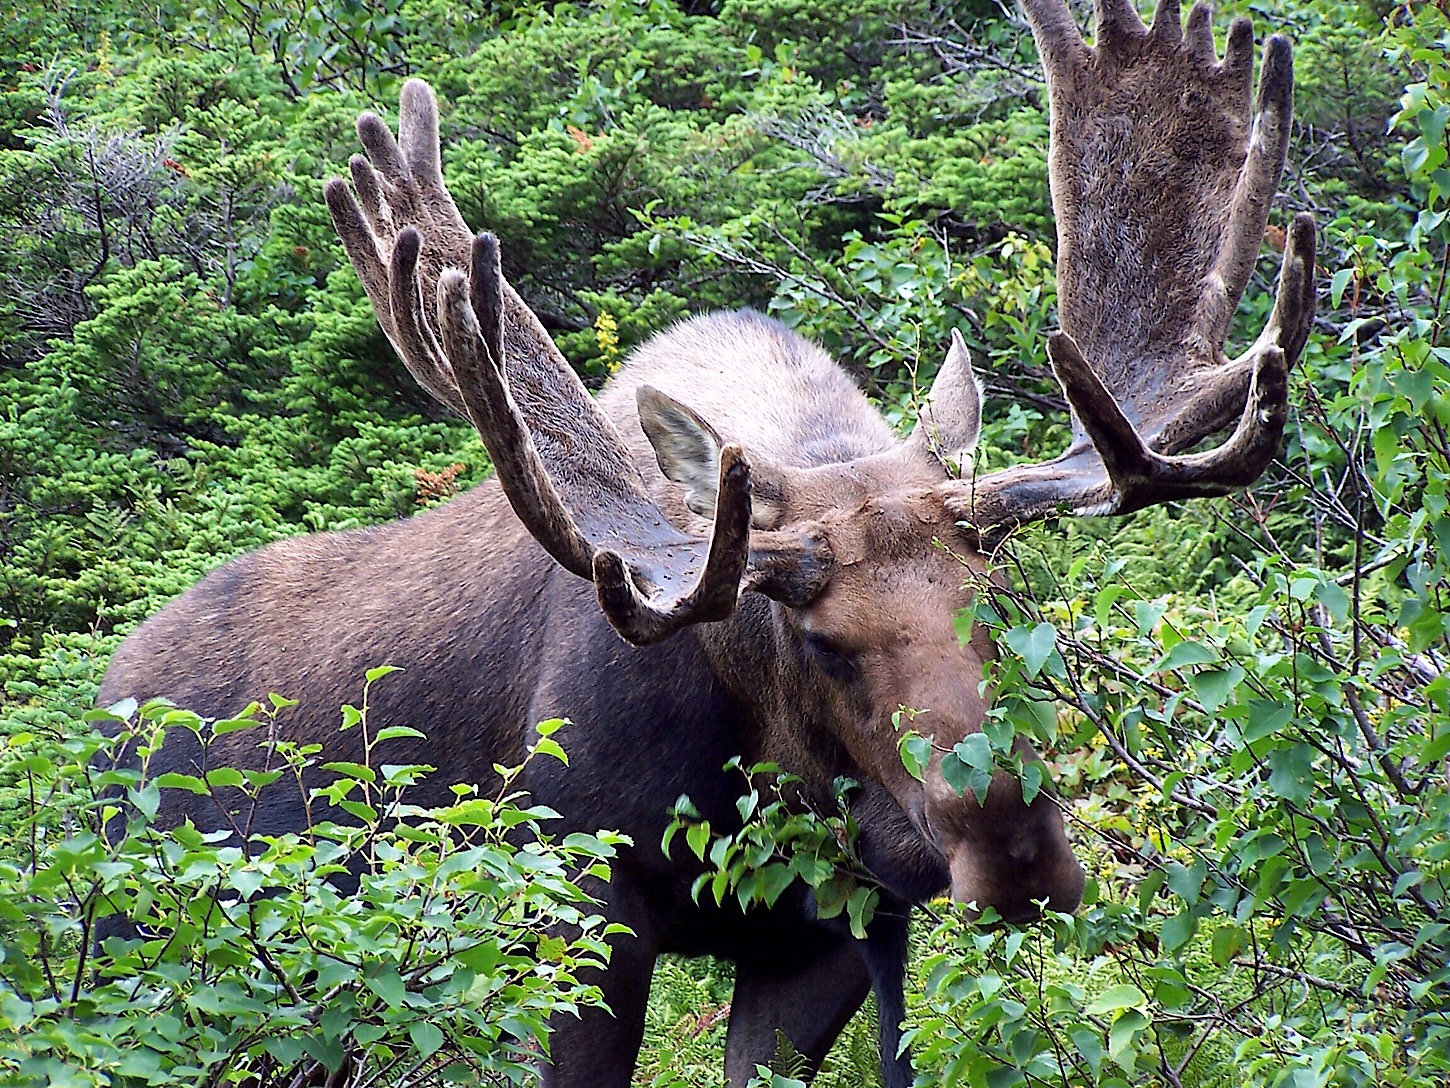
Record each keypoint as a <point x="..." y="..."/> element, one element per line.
<point x="752" y="654"/>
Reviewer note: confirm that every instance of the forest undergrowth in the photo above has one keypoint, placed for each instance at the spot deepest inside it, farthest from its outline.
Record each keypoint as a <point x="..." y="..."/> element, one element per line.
<point x="1243" y="702"/>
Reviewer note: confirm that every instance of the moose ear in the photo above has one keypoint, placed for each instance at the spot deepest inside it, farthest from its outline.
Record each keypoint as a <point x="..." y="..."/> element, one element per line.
<point x="951" y="418"/>
<point x="688" y="451"/>
<point x="686" y="447"/>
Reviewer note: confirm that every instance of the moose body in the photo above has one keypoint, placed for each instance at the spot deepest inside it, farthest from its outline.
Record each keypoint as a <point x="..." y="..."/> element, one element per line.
<point x="494" y="636"/>
<point x="785" y="573"/>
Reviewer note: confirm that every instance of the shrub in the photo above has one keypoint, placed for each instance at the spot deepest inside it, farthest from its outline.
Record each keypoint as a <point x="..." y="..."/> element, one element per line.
<point x="235" y="956"/>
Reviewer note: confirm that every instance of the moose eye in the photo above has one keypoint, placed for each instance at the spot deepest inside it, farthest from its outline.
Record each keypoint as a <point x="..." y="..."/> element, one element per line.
<point x="832" y="659"/>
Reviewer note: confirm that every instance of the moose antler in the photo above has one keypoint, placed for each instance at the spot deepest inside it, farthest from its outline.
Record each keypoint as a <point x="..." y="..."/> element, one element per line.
<point x="560" y="461"/>
<point x="1161" y="178"/>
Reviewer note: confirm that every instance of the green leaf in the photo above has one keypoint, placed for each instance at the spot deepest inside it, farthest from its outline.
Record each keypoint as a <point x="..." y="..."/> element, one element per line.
<point x="385" y="981"/>
<point x="775" y="879"/>
<point x="377" y="673"/>
<point x="119" y="711"/>
<point x="352" y="770"/>
<point x="1228" y="941"/>
<point x="1214" y="686"/>
<point x="1031" y="782"/>
<point x="859" y="908"/>
<point x="1184" y="654"/>
<point x="366" y="813"/>
<point x="746" y="804"/>
<point x="1176" y="931"/>
<point x="1266" y="719"/>
<point x="1333" y="598"/>
<point x="1034" y="646"/>
<point x="999" y="731"/>
<point x="248" y="881"/>
<point x="1035" y="717"/>
<point x="1122" y="996"/>
<point x="1436" y="750"/>
<point x="969" y="765"/>
<point x="1386" y="445"/>
<point x="697" y="837"/>
<point x="1292" y="773"/>
<point x="975" y="751"/>
<point x="915" y="753"/>
<point x="427" y="1037"/>
<point x="394" y="732"/>
<point x="1149" y="888"/>
<point x="171" y="780"/>
<point x="146" y="799"/>
<point x="1337" y="283"/>
<point x="1123" y="1035"/>
<point x="184" y="719"/>
<point x="1108" y="596"/>
<point x="1090" y="1045"/>
<point x="1186" y="881"/>
<point x="1432" y="123"/>
<point x="233" y="725"/>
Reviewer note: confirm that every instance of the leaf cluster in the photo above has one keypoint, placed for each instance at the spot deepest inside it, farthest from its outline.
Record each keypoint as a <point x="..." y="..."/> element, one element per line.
<point x="383" y="941"/>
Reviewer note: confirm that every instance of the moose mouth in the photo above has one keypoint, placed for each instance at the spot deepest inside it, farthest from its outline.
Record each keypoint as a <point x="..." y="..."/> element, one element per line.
<point x="1001" y="853"/>
<point x="1023" y="903"/>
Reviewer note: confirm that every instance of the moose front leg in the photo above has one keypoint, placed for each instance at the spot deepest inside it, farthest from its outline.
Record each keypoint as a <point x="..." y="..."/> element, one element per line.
<point x="599" y="1047"/>
<point x="809" y="1003"/>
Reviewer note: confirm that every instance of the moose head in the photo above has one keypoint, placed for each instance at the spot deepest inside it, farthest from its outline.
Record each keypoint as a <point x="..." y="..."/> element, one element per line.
<point x="820" y="561"/>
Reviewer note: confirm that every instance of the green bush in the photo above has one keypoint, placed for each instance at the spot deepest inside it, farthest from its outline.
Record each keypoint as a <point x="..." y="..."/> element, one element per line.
<point x="241" y="960"/>
<point x="782" y="841"/>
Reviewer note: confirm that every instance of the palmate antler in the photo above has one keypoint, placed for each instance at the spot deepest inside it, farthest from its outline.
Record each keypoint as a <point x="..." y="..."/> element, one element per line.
<point x="1162" y="175"/>
<point x="483" y="352"/>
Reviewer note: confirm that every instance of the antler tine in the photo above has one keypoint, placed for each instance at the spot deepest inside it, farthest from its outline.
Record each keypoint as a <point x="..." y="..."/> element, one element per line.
<point x="1257" y="181"/>
<point x="361" y="245"/>
<point x="1117" y="19"/>
<point x="1293" y="317"/>
<point x="482" y="352"/>
<point x="1167" y="20"/>
<point x="1162" y="186"/>
<point x="1198" y="35"/>
<point x="490" y="405"/>
<point x="1238" y="54"/>
<point x="415" y="340"/>
<point x="1212" y="399"/>
<point x="643" y="620"/>
<point x="568" y="477"/>
<point x="418" y="138"/>
<point x="1058" y="39"/>
<point x="399" y="315"/>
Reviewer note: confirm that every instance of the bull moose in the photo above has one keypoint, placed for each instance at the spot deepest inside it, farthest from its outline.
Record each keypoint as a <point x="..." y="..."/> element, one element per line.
<point x="729" y="553"/>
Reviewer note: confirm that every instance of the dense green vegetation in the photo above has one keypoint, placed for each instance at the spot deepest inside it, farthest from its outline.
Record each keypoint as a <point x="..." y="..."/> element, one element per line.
<point x="1244" y="700"/>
